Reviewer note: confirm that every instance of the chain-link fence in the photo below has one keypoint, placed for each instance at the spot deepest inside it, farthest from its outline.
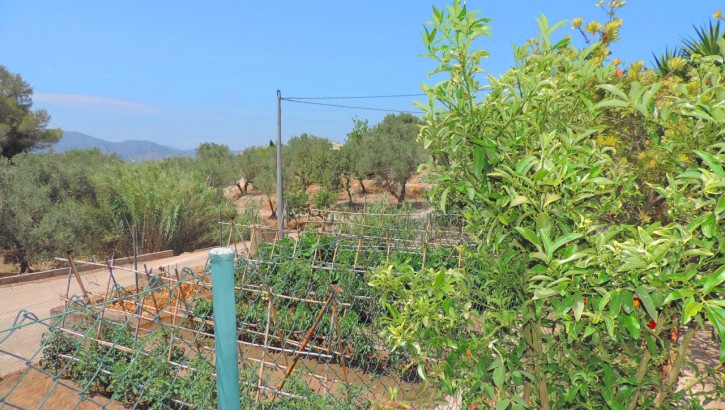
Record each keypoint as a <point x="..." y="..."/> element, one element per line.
<point x="308" y="329"/>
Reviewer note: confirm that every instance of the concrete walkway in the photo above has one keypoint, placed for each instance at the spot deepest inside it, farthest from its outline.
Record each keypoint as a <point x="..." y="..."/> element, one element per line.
<point x="39" y="297"/>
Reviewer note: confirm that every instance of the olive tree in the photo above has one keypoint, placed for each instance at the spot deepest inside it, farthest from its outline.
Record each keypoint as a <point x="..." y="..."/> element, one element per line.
<point x="391" y="153"/>
<point x="306" y="157"/>
<point x="217" y="164"/>
<point x="252" y="162"/>
<point x="46" y="204"/>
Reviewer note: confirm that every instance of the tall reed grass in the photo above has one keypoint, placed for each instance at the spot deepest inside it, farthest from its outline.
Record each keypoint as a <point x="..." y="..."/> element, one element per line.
<point x="172" y="208"/>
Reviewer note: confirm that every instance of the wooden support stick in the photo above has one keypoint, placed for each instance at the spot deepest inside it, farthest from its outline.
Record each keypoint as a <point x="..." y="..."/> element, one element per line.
<point x="387" y="240"/>
<point x="302" y="347"/>
<point x="277" y="329"/>
<point x="266" y="343"/>
<point x="179" y="295"/>
<point x="425" y="249"/>
<point x="149" y="288"/>
<point x="69" y="254"/>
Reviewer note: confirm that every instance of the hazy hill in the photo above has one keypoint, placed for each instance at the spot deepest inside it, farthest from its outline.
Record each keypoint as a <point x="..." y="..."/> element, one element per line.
<point x="133" y="150"/>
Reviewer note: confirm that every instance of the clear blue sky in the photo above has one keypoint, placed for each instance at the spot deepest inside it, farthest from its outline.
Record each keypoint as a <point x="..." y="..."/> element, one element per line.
<point x="183" y="72"/>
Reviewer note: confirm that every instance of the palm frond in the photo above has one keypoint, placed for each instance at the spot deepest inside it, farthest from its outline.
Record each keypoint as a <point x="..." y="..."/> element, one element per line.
<point x="706" y="41"/>
<point x="659" y="62"/>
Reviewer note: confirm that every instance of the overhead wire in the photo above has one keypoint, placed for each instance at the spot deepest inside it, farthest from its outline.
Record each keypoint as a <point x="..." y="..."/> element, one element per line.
<point x="350" y="106"/>
<point x="357" y="97"/>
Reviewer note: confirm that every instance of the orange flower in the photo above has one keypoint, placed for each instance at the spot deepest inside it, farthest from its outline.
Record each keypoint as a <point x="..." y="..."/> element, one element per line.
<point x="618" y="73"/>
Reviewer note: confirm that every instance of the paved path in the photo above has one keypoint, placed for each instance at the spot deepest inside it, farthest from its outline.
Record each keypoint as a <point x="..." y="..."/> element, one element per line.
<point x="40" y="296"/>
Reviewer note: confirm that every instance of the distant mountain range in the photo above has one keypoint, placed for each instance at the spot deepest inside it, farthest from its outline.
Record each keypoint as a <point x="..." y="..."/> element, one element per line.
<point x="131" y="150"/>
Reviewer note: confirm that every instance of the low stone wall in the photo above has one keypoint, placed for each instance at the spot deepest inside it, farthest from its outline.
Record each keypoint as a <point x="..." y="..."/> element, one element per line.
<point x="80" y="267"/>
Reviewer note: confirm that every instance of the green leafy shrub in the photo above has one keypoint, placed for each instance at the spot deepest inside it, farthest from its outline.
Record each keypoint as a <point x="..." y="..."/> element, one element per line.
<point x="590" y="253"/>
<point x="324" y="199"/>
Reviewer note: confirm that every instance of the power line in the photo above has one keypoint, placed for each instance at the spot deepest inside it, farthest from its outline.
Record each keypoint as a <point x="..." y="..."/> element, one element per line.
<point x="349" y="106"/>
<point x="356" y="97"/>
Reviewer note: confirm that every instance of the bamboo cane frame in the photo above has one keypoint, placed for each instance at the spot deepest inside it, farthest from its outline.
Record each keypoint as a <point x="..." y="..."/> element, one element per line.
<point x="329" y="347"/>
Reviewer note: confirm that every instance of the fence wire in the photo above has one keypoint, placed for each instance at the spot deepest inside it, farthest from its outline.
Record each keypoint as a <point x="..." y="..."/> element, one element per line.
<point x="308" y="328"/>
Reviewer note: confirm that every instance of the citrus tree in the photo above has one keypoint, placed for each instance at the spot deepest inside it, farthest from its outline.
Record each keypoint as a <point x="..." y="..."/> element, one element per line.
<point x="595" y="197"/>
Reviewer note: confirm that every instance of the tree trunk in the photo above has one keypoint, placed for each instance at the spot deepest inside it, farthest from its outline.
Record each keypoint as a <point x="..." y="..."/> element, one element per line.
<point x="272" y="208"/>
<point x="401" y="197"/>
<point x="363" y="191"/>
<point x="22" y="259"/>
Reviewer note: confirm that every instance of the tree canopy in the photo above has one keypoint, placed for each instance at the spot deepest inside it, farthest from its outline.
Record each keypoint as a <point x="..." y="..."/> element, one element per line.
<point x="21" y="128"/>
<point x="253" y="161"/>
<point x="218" y="164"/>
<point x="390" y="152"/>
<point x="307" y="156"/>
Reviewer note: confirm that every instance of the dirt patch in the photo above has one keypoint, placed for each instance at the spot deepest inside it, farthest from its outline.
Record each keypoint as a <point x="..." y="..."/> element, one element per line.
<point x="416" y="196"/>
<point x="705" y="353"/>
<point x="35" y="389"/>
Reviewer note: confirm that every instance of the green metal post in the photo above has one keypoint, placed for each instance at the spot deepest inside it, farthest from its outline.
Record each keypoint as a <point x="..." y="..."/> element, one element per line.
<point x="225" y="327"/>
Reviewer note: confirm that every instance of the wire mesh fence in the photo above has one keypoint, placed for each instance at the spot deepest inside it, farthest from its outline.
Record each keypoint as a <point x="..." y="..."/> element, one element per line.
<point x="308" y="328"/>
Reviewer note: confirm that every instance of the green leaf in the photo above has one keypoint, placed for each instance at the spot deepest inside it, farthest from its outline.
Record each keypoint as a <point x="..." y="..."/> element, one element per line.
<point x="711" y="162"/>
<point x="720" y="205"/>
<point x="498" y="376"/>
<point x="393" y="311"/>
<point x="602" y="181"/>
<point x="691" y="310"/>
<point x="678" y="294"/>
<point x="605" y="300"/>
<point x="549" y="198"/>
<point x="578" y="307"/>
<point x="609" y="103"/>
<point x="631" y="322"/>
<point x="524" y="165"/>
<point x="444" y="197"/>
<point x="716" y="315"/>
<point x="647" y="302"/>
<point x="544" y="293"/>
<point x="519" y="200"/>
<point x="517" y="377"/>
<point x="616" y="305"/>
<point x="614" y="90"/>
<point x="714" y="279"/>
<point x="564" y="239"/>
<point x="479" y="161"/>
<point x="609" y="322"/>
<point x="421" y="372"/>
<point x="502" y="404"/>
<point x="447" y="306"/>
<point x="548" y="245"/>
<point x="709" y="226"/>
<point x="530" y="236"/>
<point x="440" y="279"/>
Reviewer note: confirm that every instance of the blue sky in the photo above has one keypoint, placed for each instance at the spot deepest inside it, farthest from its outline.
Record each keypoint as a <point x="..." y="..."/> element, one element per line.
<point x="183" y="72"/>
